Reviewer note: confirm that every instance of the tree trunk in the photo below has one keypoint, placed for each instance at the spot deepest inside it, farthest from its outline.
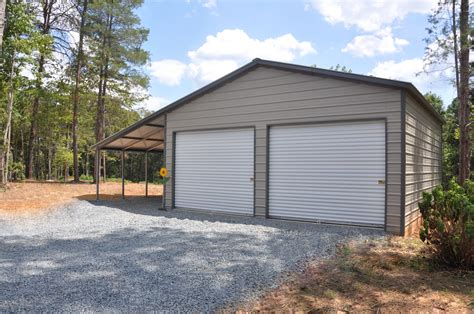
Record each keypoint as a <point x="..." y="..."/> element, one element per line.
<point x="22" y="144"/>
<point x="464" y="106"/>
<point x="2" y="167"/>
<point x="87" y="163"/>
<point x="33" y="133"/>
<point x="103" y="76"/>
<point x="456" y="48"/>
<point x="75" y="98"/>
<point x="8" y="126"/>
<point x="50" y="155"/>
<point x="3" y="4"/>
<point x="47" y="9"/>
<point x="105" y="166"/>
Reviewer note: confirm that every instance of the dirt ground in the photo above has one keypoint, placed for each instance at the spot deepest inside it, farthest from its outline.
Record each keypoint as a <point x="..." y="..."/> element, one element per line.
<point x="387" y="276"/>
<point x="35" y="197"/>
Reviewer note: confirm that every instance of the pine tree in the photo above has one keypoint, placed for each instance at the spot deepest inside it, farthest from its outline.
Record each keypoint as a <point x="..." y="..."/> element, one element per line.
<point x="116" y="42"/>
<point x="82" y="10"/>
<point x="448" y="45"/>
<point x="20" y="39"/>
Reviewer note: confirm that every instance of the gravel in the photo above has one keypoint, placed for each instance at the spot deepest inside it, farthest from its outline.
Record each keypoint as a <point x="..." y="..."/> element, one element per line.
<point x="123" y="256"/>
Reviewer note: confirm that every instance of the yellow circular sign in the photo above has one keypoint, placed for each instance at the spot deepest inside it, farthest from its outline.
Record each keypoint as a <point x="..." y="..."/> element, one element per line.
<point x="163" y="172"/>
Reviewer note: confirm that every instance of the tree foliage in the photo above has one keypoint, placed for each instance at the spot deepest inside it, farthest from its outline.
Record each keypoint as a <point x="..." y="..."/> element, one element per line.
<point x="448" y="223"/>
<point x="40" y="41"/>
<point x="449" y="43"/>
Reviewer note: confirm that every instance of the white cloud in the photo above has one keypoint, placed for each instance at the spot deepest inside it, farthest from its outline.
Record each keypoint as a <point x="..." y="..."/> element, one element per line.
<point x="368" y="15"/>
<point x="382" y="42"/>
<point x="152" y="103"/>
<point x="413" y="70"/>
<point x="237" y="45"/>
<point x="148" y="102"/>
<point x="169" y="72"/>
<point x="210" y="4"/>
<point x="210" y="70"/>
<point x="225" y="52"/>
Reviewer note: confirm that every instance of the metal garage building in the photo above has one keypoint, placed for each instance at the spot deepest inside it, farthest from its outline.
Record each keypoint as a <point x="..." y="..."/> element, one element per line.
<point x="287" y="141"/>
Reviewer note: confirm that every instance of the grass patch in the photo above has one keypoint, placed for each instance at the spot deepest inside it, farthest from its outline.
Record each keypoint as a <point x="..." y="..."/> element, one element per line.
<point x="393" y="274"/>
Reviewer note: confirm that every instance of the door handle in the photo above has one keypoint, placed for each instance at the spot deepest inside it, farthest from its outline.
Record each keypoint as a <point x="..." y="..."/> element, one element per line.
<point x="251" y="179"/>
<point x="381" y="182"/>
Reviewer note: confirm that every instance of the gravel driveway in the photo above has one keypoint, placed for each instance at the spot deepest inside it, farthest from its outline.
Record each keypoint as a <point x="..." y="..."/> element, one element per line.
<point x="128" y="256"/>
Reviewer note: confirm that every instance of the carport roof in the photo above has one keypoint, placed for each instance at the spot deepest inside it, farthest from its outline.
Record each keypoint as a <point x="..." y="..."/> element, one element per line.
<point x="148" y="133"/>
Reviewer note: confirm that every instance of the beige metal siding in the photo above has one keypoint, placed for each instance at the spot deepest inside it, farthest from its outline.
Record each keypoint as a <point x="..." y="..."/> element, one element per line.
<point x="267" y="96"/>
<point x="423" y="156"/>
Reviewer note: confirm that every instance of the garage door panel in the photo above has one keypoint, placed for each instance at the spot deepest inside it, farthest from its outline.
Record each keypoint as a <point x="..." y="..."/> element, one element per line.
<point x="328" y="172"/>
<point x="213" y="170"/>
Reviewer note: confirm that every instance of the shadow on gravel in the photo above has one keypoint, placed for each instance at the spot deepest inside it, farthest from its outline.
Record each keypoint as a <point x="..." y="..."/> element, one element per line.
<point x="150" y="207"/>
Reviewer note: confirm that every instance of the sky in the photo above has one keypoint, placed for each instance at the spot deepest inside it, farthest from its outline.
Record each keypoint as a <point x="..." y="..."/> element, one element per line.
<point x="194" y="42"/>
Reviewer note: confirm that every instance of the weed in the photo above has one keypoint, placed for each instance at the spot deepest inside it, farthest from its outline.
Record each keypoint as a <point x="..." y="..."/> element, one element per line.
<point x="330" y="294"/>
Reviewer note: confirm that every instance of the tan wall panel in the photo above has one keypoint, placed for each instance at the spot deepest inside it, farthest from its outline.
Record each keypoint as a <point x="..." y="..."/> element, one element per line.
<point x="423" y="157"/>
<point x="266" y="97"/>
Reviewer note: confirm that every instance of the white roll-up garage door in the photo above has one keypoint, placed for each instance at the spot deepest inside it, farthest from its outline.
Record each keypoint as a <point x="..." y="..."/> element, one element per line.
<point x="328" y="172"/>
<point x="214" y="170"/>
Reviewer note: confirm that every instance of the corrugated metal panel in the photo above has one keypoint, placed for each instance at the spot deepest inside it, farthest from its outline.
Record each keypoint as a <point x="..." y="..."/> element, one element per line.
<point x="214" y="170"/>
<point x="423" y="157"/>
<point x="328" y="172"/>
<point x="234" y="107"/>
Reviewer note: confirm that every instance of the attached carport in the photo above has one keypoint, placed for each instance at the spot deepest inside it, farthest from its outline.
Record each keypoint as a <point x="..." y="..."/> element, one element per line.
<point x="279" y="140"/>
<point x="147" y="136"/>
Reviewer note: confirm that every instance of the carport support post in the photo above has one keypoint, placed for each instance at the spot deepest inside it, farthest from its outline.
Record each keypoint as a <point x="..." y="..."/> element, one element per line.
<point x="146" y="174"/>
<point x="97" y="172"/>
<point x="123" y="175"/>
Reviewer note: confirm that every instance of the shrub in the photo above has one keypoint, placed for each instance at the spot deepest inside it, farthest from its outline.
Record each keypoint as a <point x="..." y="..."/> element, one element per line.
<point x="17" y="171"/>
<point x="448" y="224"/>
<point x="84" y="177"/>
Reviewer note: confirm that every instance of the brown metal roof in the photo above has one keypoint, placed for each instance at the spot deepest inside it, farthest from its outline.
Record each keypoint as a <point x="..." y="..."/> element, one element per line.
<point x="148" y="133"/>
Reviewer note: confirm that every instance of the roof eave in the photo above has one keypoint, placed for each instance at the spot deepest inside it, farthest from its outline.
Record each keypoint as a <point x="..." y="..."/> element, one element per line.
<point x="356" y="77"/>
<point x="279" y="65"/>
<point x="209" y="87"/>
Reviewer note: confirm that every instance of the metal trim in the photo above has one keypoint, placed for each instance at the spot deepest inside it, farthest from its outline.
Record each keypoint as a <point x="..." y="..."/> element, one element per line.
<point x="267" y="172"/>
<point x="210" y="212"/>
<point x="381" y="118"/>
<point x="403" y="161"/>
<point x="278" y="65"/>
<point x="141" y="139"/>
<point x="97" y="173"/>
<point x="251" y="126"/>
<point x="122" y="167"/>
<point x="386" y="173"/>
<point x="327" y="222"/>
<point x="165" y="138"/>
<point x="254" y="170"/>
<point x="173" y="177"/>
<point x="146" y="174"/>
<point x="440" y="161"/>
<point x="133" y="150"/>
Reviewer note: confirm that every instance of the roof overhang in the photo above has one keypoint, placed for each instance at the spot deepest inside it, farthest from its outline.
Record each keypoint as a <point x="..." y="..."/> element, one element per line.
<point x="148" y="133"/>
